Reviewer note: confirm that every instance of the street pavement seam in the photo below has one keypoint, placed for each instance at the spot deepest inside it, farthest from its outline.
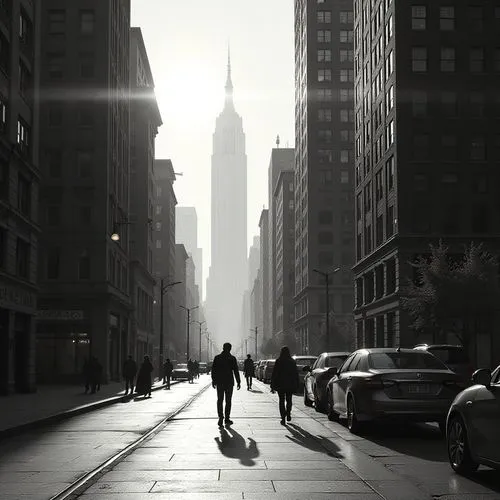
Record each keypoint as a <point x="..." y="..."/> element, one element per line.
<point x="80" y="485"/>
<point x="72" y="412"/>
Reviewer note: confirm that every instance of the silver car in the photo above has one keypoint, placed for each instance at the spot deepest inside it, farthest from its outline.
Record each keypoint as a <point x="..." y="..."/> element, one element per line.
<point x="392" y="382"/>
<point x="472" y="427"/>
<point x="180" y="372"/>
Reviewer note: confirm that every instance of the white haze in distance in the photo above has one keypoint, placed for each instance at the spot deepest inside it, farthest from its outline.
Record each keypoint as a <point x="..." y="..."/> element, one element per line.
<point x="186" y="41"/>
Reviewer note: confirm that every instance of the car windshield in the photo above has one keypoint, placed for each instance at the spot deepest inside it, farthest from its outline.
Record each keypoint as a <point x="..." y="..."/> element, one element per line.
<point x="334" y="361"/>
<point x="450" y="355"/>
<point x="181" y="366"/>
<point x="271" y="363"/>
<point x="305" y="361"/>
<point x="404" y="361"/>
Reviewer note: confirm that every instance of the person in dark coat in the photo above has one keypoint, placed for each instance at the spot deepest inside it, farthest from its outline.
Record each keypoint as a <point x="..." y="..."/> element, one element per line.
<point x="144" y="382"/>
<point x="129" y="373"/>
<point x="167" y="372"/>
<point x="249" y="371"/>
<point x="190" y="368"/>
<point x="285" y="380"/>
<point x="223" y="369"/>
<point x="196" y="366"/>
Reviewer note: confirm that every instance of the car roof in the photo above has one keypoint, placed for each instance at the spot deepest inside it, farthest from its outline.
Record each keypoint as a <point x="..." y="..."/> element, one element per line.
<point x="439" y="346"/>
<point x="335" y="353"/>
<point x="312" y="356"/>
<point x="383" y="350"/>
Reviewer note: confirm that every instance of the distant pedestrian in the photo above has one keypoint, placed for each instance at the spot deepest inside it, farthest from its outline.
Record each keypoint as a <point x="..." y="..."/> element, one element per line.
<point x="249" y="371"/>
<point x="167" y="372"/>
<point x="144" y="383"/>
<point x="190" y="368"/>
<point x="223" y="369"/>
<point x="97" y="376"/>
<point x="285" y="380"/>
<point x="129" y="373"/>
<point x="87" y="373"/>
<point x="196" y="369"/>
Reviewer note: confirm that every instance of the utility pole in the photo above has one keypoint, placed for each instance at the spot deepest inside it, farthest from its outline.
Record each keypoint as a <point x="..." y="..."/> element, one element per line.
<point x="188" y="310"/>
<point x="255" y="330"/>
<point x="246" y="346"/>
<point x="163" y="290"/>
<point x="200" y="323"/>
<point x="327" y="275"/>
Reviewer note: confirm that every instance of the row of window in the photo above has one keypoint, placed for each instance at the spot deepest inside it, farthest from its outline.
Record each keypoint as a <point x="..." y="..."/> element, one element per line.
<point x="56" y="65"/>
<point x="325" y="36"/>
<point x="345" y="55"/>
<point x="22" y="255"/>
<point x="325" y="17"/>
<point x="57" y="23"/>
<point x="23" y="189"/>
<point x="478" y="62"/>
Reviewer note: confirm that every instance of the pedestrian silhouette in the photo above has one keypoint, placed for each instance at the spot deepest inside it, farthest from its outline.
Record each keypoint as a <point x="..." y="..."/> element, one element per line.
<point x="92" y="370"/>
<point x="144" y="382"/>
<point x="285" y="380"/>
<point x="167" y="372"/>
<point x="190" y="367"/>
<point x="196" y="369"/>
<point x="129" y="373"/>
<point x="223" y="369"/>
<point x="234" y="446"/>
<point x="249" y="371"/>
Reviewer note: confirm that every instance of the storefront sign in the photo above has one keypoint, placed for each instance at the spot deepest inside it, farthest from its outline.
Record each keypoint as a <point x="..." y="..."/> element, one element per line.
<point x="11" y="297"/>
<point x="55" y="315"/>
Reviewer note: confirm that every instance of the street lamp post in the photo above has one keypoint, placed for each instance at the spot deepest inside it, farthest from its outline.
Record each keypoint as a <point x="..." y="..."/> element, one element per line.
<point x="188" y="310"/>
<point x="163" y="290"/>
<point x="255" y="330"/>
<point x="327" y="275"/>
<point x="200" y="323"/>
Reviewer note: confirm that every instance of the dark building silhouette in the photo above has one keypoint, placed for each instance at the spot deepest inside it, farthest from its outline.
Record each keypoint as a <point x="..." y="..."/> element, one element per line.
<point x="19" y="192"/>
<point x="263" y="294"/>
<point x="144" y="123"/>
<point x="84" y="303"/>
<point x="324" y="166"/>
<point x="427" y="150"/>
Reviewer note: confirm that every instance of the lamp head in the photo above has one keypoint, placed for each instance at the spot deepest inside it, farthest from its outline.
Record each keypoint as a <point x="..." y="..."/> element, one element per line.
<point x="115" y="237"/>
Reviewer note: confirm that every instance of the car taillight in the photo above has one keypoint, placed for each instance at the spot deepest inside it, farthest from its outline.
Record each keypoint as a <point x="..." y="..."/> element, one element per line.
<point x="376" y="383"/>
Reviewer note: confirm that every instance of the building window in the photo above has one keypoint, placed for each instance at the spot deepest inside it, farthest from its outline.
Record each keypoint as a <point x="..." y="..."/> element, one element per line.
<point x="347" y="115"/>
<point x="324" y="36"/>
<point x="389" y="173"/>
<point x="389" y="65"/>
<point x="368" y="197"/>
<point x="85" y="117"/>
<point x="476" y="60"/>
<point x="447" y="18"/>
<point x="389" y="100"/>
<point x="158" y="244"/>
<point x="475" y="17"/>
<point x="344" y="156"/>
<point x="346" y="17"/>
<point x="325" y="115"/>
<point x="346" y="36"/>
<point x="22" y="258"/>
<point x="478" y="149"/>
<point x="55" y="115"/>
<point x="24" y="79"/>
<point x="419" y="59"/>
<point x="481" y="218"/>
<point x="477" y="108"/>
<point x="389" y="135"/>
<point x="84" y="163"/>
<point x="379" y="186"/>
<point x="84" y="265"/>
<point x="55" y="64"/>
<point x="447" y="59"/>
<point x="325" y="177"/>
<point x="389" y="30"/>
<point x="54" y="162"/>
<point x="449" y="103"/>
<point x="25" y="30"/>
<point x="325" y="237"/>
<point x="324" y="16"/>
<point x="23" y="195"/>
<point x="346" y="55"/>
<point x="324" y="136"/>
<point x="325" y="217"/>
<point x="418" y="17"/>
<point x="87" y="65"/>
<point x="325" y="95"/>
<point x="324" y="55"/>
<point x="421" y="147"/>
<point x="53" y="263"/>
<point x="390" y="221"/>
<point x="419" y="103"/>
<point x="87" y="22"/>
<point x="344" y="177"/>
<point x="57" y="22"/>
<point x="449" y="147"/>
<point x="347" y="75"/>
<point x="23" y="136"/>
<point x="324" y="75"/>
<point x="346" y="95"/>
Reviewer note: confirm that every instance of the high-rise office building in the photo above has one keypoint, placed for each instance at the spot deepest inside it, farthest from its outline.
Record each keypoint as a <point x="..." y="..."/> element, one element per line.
<point x="144" y="123"/>
<point x="227" y="279"/>
<point x="19" y="192"/>
<point x="324" y="166"/>
<point x="84" y="304"/>
<point x="427" y="149"/>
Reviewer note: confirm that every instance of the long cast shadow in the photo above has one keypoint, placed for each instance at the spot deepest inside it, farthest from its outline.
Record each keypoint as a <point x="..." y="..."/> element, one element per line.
<point x="315" y="443"/>
<point x="233" y="445"/>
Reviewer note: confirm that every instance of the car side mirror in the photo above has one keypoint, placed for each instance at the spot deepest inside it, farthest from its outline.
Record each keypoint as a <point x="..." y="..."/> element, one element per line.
<point x="482" y="377"/>
<point x="333" y="371"/>
<point x="306" y="369"/>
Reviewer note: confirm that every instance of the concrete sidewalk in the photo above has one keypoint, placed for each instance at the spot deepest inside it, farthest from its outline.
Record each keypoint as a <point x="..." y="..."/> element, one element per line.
<point x="191" y="458"/>
<point x="52" y="403"/>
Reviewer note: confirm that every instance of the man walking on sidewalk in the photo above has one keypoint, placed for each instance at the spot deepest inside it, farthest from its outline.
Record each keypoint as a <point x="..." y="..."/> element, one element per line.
<point x="167" y="372"/>
<point x="129" y="373"/>
<point x="223" y="368"/>
<point x="249" y="371"/>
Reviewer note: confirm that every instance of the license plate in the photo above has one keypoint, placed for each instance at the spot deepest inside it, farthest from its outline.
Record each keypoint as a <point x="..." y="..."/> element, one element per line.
<point x="419" y="388"/>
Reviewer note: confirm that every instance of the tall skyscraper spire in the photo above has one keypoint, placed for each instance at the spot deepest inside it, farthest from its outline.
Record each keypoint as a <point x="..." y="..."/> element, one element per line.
<point x="229" y="82"/>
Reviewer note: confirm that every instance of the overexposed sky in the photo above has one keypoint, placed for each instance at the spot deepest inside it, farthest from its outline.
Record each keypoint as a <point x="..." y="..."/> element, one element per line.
<point x="186" y="41"/>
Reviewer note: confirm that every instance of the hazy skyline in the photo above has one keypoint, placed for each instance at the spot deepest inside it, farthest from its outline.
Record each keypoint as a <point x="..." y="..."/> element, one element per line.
<point x="187" y="49"/>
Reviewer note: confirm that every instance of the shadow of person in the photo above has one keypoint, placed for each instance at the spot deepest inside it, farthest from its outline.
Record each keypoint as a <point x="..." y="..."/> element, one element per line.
<point x="233" y="445"/>
<point x="256" y="391"/>
<point x="314" y="443"/>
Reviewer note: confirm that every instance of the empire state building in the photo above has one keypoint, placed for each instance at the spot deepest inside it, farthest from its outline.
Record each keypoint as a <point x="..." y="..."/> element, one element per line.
<point x="228" y="268"/>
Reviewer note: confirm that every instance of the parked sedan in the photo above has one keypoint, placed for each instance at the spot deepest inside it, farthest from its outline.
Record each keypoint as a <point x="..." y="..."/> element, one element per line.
<point x="472" y="433"/>
<point x="381" y="383"/>
<point x="267" y="370"/>
<point x="180" y="372"/>
<point x="203" y="367"/>
<point x="318" y="375"/>
<point x="302" y="362"/>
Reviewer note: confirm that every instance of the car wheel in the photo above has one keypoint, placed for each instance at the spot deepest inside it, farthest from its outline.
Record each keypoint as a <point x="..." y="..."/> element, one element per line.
<point x="458" y="447"/>
<point x="352" y="420"/>
<point x="306" y="399"/>
<point x="330" y="411"/>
